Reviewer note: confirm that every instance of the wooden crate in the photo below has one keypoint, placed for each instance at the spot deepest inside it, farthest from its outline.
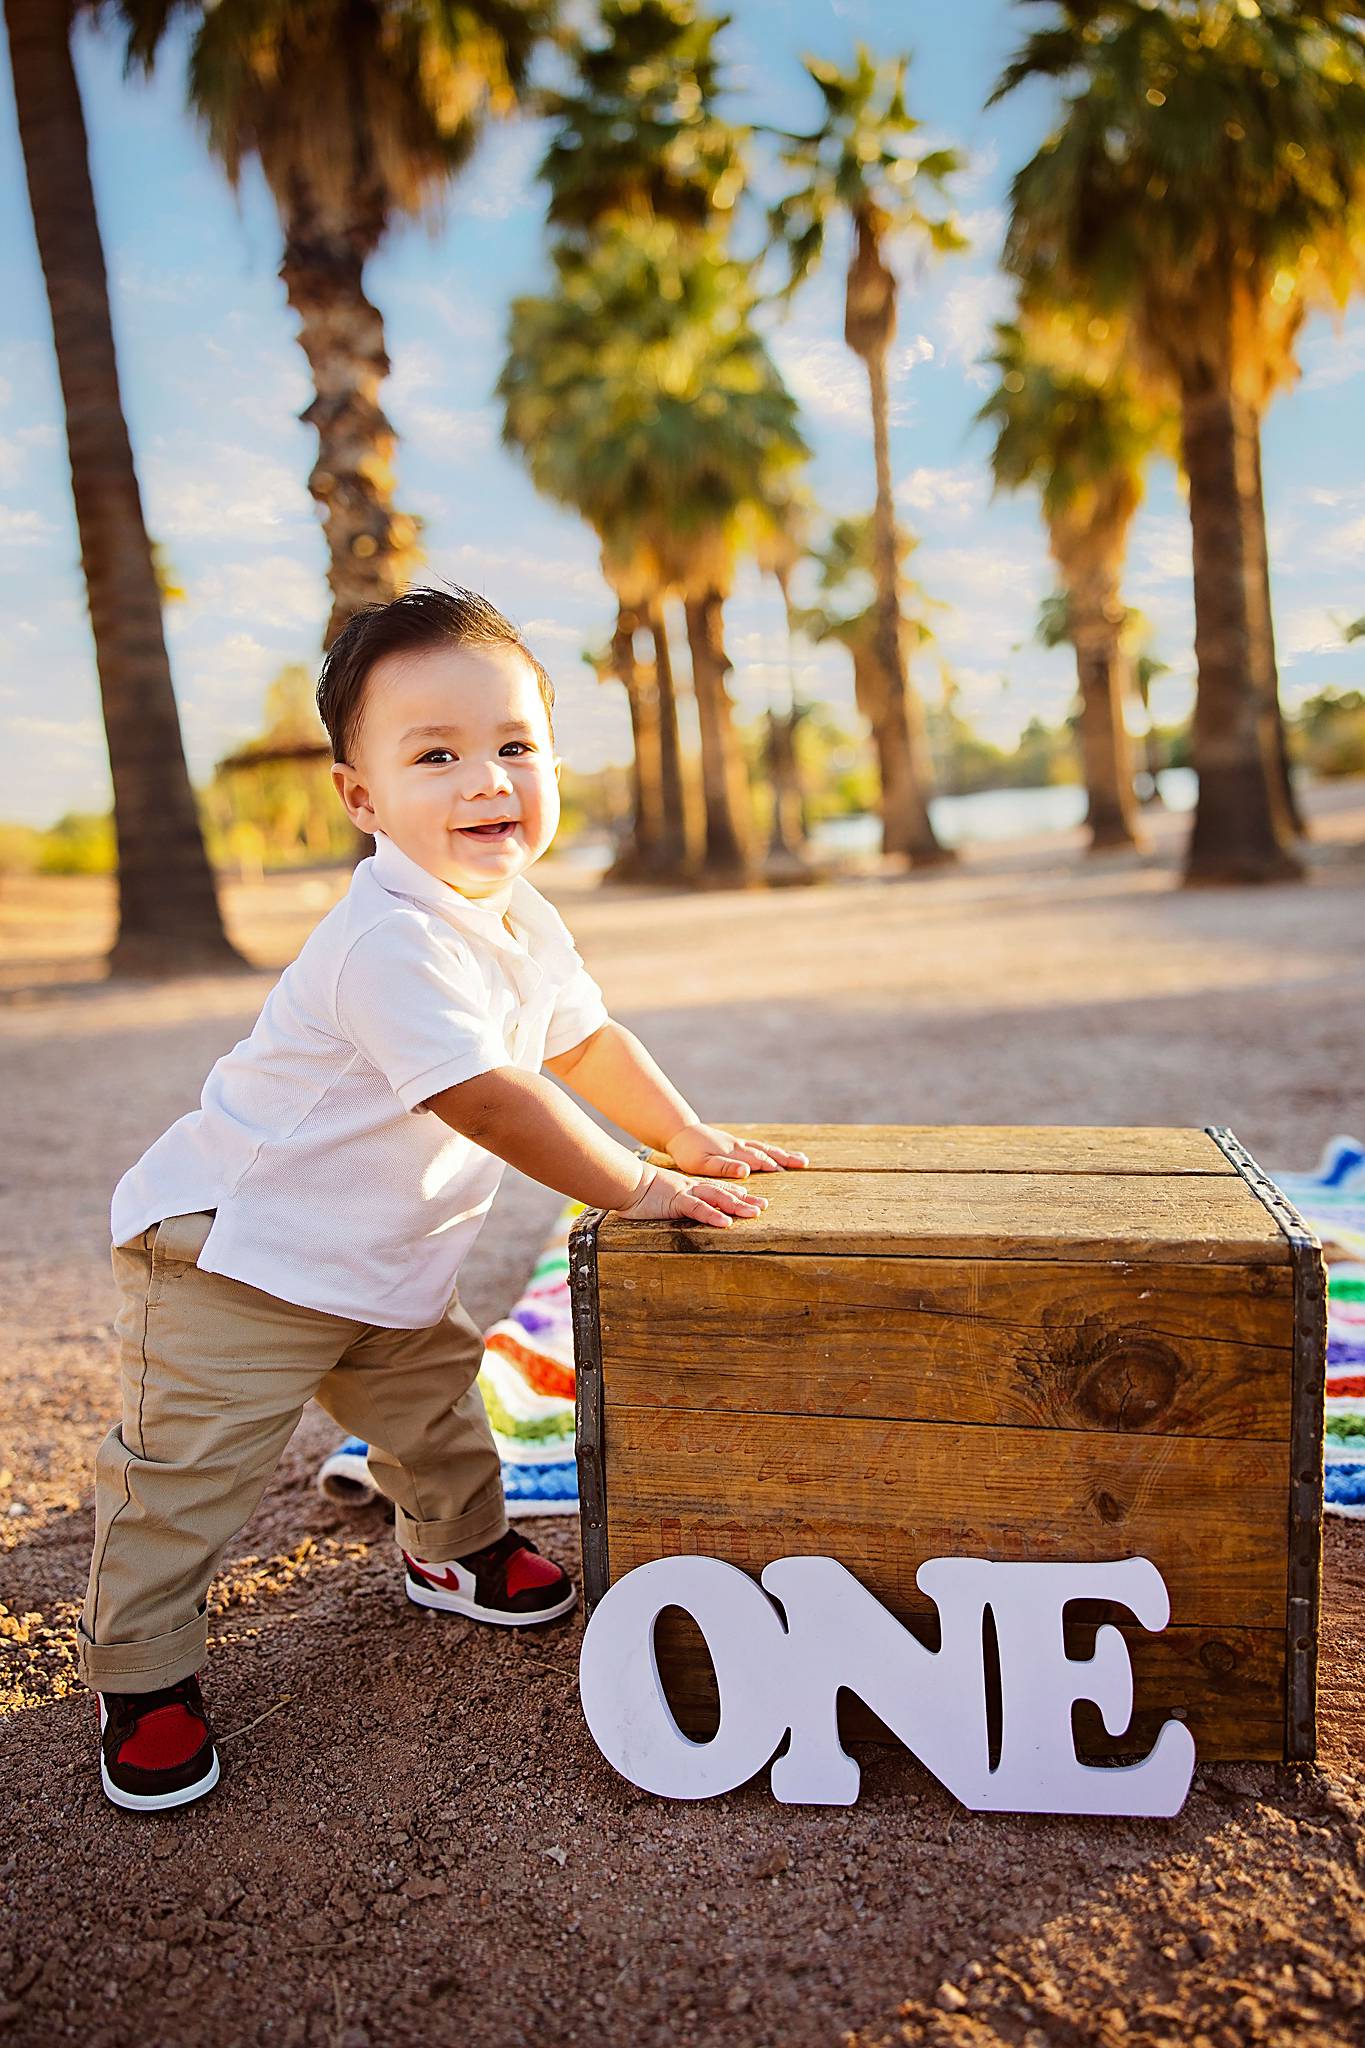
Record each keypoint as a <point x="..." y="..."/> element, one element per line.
<point x="1038" y="1343"/>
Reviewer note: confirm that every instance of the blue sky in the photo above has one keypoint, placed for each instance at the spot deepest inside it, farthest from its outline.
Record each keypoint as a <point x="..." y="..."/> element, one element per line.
<point x="213" y="379"/>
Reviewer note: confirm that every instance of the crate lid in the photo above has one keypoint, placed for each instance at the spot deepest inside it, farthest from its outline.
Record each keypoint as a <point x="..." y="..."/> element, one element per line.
<point x="990" y="1191"/>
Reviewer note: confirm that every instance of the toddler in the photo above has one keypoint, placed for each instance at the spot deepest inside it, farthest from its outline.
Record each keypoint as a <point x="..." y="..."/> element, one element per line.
<point x="299" y="1234"/>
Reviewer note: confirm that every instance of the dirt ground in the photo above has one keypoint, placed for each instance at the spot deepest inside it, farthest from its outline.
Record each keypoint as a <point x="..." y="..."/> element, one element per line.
<point x="415" y="1841"/>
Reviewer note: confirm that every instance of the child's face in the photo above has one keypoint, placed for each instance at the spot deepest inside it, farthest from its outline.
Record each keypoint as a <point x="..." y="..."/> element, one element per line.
<point x="450" y="742"/>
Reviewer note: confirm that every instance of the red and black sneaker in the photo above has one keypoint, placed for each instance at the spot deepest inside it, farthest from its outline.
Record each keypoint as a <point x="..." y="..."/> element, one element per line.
<point x="507" y="1582"/>
<point x="156" y="1748"/>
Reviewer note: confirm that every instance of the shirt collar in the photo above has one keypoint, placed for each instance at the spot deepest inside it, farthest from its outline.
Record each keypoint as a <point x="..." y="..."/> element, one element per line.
<point x="400" y="875"/>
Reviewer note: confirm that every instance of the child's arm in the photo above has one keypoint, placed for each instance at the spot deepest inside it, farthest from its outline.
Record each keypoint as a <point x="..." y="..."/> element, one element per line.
<point x="534" y="1126"/>
<point x="613" y="1071"/>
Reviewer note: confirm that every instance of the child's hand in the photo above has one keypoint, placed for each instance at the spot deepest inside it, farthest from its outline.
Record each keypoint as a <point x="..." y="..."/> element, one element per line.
<point x="664" y="1196"/>
<point x="701" y="1148"/>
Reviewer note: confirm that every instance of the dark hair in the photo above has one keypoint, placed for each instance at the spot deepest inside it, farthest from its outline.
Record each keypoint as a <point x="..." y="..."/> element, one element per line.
<point x="421" y="618"/>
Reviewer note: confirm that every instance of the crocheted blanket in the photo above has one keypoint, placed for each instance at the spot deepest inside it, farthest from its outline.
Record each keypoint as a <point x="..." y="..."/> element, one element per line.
<point x="1332" y="1204"/>
<point x="527" y="1383"/>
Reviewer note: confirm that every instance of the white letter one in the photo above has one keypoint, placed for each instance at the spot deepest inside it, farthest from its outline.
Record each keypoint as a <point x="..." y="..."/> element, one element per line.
<point x="772" y="1678"/>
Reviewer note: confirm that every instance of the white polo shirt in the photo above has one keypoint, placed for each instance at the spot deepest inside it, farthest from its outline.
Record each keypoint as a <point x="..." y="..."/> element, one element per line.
<point x="333" y="1188"/>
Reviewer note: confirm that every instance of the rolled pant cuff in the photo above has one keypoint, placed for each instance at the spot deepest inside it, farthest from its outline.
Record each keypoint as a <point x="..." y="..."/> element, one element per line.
<point x="439" y="1542"/>
<point x="146" y="1666"/>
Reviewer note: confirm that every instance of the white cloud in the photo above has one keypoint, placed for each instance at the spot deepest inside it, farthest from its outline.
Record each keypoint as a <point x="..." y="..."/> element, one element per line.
<point x="1328" y="364"/>
<point x="14" y="449"/>
<point x="1306" y="630"/>
<point x="1342" y="540"/>
<point x="133" y="279"/>
<point x="1160" y="552"/>
<point x="965" y="319"/>
<point x="448" y="430"/>
<point x="23" y="529"/>
<point x="979" y="686"/>
<point x="952" y="493"/>
<point x="979" y="168"/>
<point x="826" y="376"/>
<point x="277" y="591"/>
<point x="468" y="320"/>
<point x="552" y="629"/>
<point x="984" y="229"/>
<point x="68" y="732"/>
<point x="208" y="489"/>
<point x="416" y="367"/>
<point x="502" y="179"/>
<point x="478" y="565"/>
<point x="1334" y="497"/>
<point x="974" y="572"/>
<point x="229" y="667"/>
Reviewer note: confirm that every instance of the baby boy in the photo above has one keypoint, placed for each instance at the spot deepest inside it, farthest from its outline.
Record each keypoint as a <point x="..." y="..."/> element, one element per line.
<point x="298" y="1236"/>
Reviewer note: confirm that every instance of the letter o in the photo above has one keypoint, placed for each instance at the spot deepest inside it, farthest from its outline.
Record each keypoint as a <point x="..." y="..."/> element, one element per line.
<point x="624" y="1703"/>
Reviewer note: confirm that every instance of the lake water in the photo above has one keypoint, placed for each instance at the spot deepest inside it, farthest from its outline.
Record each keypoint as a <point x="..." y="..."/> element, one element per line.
<point x="996" y="814"/>
<point x="992" y="814"/>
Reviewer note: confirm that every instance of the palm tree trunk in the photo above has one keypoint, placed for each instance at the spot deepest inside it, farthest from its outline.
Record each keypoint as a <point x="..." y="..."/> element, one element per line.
<point x="169" y="921"/>
<point x="641" y="855"/>
<point x="787" y="839"/>
<point x="787" y="856"/>
<point x="724" y="781"/>
<point x="1095" y="615"/>
<point x="1240" y="833"/>
<point x="1151" y="746"/>
<point x="906" y="827"/>
<point x="342" y="334"/>
<point x="1111" y="813"/>
<point x="1264" y="621"/>
<point x="672" y="852"/>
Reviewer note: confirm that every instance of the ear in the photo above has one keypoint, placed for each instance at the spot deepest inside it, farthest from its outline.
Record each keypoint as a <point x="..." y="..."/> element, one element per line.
<point x="354" y="795"/>
<point x="559" y="768"/>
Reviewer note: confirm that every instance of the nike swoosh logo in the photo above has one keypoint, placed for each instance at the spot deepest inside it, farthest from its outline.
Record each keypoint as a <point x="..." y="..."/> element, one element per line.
<point x="447" y="1579"/>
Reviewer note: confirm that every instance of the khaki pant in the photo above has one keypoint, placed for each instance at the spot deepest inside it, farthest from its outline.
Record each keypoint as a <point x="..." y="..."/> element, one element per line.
<point x="215" y="1376"/>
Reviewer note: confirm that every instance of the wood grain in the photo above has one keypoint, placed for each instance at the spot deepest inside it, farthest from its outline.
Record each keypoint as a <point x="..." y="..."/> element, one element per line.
<point x="1177" y="1349"/>
<point x="883" y="1496"/>
<point x="1228" y="1686"/>
<point x="995" y="1148"/>
<point x="1191" y="1219"/>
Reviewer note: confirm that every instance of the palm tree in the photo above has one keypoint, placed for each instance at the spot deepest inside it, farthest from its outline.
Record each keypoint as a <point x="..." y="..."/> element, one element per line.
<point x="637" y="138"/>
<point x="1070" y="421"/>
<point x="360" y="112"/>
<point x="640" y="393"/>
<point x="1054" y="627"/>
<point x="632" y="574"/>
<point x="169" y="920"/>
<point x="779" y="552"/>
<point x="1146" y="668"/>
<point x="637" y="856"/>
<point x="850" y="617"/>
<point x="1276" y="369"/>
<point x="1201" y="151"/>
<point x="855" y="163"/>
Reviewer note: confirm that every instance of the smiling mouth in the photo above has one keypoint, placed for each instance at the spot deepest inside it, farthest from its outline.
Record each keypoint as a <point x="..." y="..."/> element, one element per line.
<point x="496" y="828"/>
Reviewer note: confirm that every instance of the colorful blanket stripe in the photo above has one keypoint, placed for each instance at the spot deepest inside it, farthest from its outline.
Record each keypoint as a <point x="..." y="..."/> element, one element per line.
<point x="527" y="1383"/>
<point x="1332" y="1203"/>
